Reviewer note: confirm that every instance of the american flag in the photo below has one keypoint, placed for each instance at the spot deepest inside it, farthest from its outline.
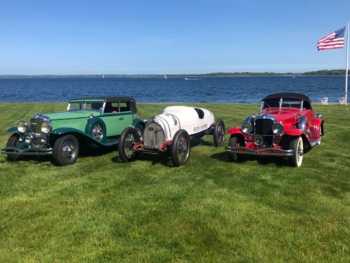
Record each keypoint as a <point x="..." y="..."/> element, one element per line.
<point x="332" y="40"/>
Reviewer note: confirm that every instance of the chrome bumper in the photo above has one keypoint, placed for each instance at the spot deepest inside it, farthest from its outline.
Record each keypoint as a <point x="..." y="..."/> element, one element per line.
<point x="262" y="151"/>
<point x="27" y="151"/>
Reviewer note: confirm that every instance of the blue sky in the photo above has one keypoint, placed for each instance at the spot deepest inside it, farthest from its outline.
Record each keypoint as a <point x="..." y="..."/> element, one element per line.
<point x="88" y="37"/>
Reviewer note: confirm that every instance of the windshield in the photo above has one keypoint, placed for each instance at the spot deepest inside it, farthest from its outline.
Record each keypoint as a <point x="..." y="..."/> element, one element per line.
<point x="285" y="102"/>
<point x="85" y="105"/>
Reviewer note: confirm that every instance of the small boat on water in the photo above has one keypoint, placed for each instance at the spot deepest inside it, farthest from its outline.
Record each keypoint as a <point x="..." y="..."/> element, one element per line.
<point x="191" y="78"/>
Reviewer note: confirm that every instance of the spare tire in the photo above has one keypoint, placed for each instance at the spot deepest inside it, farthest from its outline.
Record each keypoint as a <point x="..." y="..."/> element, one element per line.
<point x="96" y="128"/>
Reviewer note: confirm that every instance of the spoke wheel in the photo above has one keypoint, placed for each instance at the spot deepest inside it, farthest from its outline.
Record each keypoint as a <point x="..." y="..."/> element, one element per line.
<point x="219" y="133"/>
<point x="234" y="143"/>
<point x="297" y="146"/>
<point x="180" y="149"/>
<point x="129" y="137"/>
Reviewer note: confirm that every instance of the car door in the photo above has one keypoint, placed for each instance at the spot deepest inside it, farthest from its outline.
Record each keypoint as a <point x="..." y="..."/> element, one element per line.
<point x="117" y="116"/>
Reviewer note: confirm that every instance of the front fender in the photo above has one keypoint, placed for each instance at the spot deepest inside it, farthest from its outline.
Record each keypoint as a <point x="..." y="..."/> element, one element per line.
<point x="81" y="135"/>
<point x="138" y="123"/>
<point x="234" y="131"/>
<point x="62" y="131"/>
<point x="12" y="130"/>
<point x="294" y="132"/>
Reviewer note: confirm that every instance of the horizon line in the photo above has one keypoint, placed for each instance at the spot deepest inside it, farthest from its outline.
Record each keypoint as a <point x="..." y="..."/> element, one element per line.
<point x="168" y="74"/>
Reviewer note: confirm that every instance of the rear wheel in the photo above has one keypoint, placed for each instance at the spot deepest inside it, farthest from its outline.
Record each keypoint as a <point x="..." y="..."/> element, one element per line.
<point x="66" y="150"/>
<point x="297" y="145"/>
<point x="128" y="138"/>
<point x="180" y="149"/>
<point x="12" y="142"/>
<point x="219" y="133"/>
<point x="234" y="143"/>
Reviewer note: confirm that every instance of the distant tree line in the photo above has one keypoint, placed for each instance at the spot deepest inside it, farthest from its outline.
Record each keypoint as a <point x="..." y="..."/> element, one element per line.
<point x="332" y="72"/>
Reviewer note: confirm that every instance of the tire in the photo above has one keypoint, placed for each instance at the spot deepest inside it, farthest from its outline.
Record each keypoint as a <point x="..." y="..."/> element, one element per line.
<point x="65" y="150"/>
<point x="12" y="142"/>
<point x="297" y="145"/>
<point x="219" y="133"/>
<point x="233" y="143"/>
<point x="126" y="143"/>
<point x="180" y="149"/>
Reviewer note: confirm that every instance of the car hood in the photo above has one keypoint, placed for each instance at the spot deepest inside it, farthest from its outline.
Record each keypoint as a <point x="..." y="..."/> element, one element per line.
<point x="283" y="115"/>
<point x="70" y="115"/>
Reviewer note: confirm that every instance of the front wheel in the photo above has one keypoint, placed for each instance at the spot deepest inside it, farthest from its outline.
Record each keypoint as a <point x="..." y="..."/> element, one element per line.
<point x="66" y="150"/>
<point x="234" y="143"/>
<point x="180" y="150"/>
<point x="12" y="142"/>
<point x="297" y="145"/>
<point x="127" y="141"/>
<point x="219" y="133"/>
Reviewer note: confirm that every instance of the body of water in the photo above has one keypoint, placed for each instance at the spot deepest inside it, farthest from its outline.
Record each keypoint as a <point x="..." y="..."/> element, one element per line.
<point x="219" y="90"/>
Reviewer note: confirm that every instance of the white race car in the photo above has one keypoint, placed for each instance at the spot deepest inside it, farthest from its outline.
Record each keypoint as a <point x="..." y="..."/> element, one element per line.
<point x="171" y="131"/>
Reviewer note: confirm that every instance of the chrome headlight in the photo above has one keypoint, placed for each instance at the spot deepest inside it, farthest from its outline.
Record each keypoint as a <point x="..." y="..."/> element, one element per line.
<point x="247" y="125"/>
<point x="45" y="127"/>
<point x="22" y="127"/>
<point x="277" y="129"/>
<point x="302" y="123"/>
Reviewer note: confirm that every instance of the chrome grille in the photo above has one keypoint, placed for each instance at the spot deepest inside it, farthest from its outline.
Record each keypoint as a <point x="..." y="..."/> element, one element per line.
<point x="263" y="127"/>
<point x="153" y="136"/>
<point x="35" y="125"/>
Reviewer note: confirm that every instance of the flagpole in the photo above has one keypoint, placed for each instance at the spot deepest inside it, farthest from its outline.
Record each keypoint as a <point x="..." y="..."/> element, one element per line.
<point x="347" y="65"/>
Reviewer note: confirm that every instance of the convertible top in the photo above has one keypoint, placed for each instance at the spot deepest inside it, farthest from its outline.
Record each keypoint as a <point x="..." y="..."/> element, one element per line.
<point x="288" y="95"/>
<point x="106" y="99"/>
<point x="130" y="101"/>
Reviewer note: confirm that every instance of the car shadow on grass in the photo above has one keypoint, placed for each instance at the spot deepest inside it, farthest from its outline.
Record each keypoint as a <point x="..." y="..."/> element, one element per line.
<point x="84" y="152"/>
<point x="156" y="158"/>
<point x="266" y="160"/>
<point x="98" y="151"/>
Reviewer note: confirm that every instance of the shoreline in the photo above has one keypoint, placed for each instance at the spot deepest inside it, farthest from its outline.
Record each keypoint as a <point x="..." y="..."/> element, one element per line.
<point x="161" y="103"/>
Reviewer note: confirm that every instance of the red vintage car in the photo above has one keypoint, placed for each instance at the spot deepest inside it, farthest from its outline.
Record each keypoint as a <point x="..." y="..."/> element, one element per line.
<point x="286" y="126"/>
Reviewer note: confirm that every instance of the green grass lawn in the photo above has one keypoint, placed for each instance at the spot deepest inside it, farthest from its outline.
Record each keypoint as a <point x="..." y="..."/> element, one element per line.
<point x="210" y="210"/>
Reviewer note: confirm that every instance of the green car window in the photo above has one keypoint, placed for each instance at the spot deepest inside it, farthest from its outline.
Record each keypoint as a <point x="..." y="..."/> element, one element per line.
<point x="91" y="105"/>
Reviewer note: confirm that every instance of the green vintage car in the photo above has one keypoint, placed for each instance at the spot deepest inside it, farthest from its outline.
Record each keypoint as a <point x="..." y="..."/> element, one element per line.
<point x="92" y="121"/>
